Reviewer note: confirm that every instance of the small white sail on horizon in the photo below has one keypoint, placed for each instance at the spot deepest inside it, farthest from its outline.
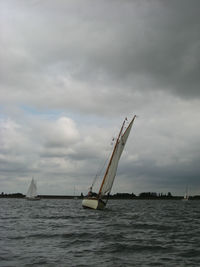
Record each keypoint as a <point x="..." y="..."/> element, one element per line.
<point x="32" y="191"/>
<point x="94" y="201"/>
<point x="75" y="196"/>
<point x="186" y="195"/>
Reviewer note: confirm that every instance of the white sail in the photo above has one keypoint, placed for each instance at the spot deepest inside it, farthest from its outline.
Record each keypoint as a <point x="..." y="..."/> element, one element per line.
<point x="186" y="196"/>
<point x="32" y="190"/>
<point x="113" y="164"/>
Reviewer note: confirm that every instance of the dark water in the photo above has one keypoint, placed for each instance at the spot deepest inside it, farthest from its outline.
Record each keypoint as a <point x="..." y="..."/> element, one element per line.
<point x="127" y="233"/>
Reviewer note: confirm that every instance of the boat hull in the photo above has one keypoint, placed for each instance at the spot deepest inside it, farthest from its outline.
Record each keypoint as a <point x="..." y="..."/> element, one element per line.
<point x="93" y="203"/>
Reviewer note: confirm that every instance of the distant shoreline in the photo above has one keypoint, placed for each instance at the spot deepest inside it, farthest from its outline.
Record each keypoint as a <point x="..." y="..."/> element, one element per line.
<point x="115" y="196"/>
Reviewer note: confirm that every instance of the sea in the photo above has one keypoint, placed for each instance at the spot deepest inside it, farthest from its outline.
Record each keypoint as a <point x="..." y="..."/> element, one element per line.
<point x="59" y="232"/>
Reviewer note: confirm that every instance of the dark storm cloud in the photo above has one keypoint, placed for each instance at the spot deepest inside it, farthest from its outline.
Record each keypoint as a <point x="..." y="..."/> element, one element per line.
<point x="95" y="62"/>
<point x="134" y="45"/>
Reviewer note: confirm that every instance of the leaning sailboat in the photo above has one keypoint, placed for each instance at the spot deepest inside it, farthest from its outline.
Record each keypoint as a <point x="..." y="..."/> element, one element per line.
<point x="97" y="201"/>
<point x="32" y="191"/>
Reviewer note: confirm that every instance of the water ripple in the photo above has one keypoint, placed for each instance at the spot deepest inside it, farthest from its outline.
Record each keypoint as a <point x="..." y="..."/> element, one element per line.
<point x="127" y="233"/>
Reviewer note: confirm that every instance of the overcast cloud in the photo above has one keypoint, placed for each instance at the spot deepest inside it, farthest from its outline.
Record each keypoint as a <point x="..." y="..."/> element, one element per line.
<point x="71" y="71"/>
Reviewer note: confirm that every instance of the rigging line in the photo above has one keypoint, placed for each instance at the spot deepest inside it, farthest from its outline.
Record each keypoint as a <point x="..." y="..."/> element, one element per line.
<point x="101" y="168"/>
<point x="111" y="158"/>
<point x="100" y="171"/>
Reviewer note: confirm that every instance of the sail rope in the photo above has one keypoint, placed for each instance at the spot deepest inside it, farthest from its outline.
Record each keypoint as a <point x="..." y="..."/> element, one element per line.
<point x="103" y="166"/>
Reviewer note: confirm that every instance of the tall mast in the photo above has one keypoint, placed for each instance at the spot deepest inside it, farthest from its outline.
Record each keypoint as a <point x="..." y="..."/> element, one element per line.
<point x="111" y="157"/>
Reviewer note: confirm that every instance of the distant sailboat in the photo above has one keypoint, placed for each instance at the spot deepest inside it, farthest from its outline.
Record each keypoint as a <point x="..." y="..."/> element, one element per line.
<point x="95" y="201"/>
<point x="32" y="191"/>
<point x="75" y="197"/>
<point x="186" y="195"/>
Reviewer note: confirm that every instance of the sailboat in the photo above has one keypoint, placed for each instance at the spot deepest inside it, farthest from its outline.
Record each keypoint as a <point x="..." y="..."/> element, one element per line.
<point x="32" y="191"/>
<point x="96" y="201"/>
<point x="186" y="195"/>
<point x="75" y="197"/>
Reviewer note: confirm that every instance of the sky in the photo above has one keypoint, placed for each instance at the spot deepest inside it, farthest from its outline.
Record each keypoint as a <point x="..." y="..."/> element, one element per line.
<point x="71" y="71"/>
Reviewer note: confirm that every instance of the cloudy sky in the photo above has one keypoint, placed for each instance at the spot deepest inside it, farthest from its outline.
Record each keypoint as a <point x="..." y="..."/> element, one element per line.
<point x="71" y="71"/>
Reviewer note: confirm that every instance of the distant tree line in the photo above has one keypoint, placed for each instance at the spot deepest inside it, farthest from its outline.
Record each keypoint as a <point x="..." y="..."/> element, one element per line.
<point x="155" y="195"/>
<point x="123" y="196"/>
<point x="14" y="195"/>
<point x="143" y="195"/>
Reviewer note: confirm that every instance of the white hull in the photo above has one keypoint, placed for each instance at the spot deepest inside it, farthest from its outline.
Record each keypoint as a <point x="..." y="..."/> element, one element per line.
<point x="93" y="203"/>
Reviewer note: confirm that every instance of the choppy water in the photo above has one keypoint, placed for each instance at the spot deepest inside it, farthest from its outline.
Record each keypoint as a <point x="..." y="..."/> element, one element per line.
<point x="127" y="233"/>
